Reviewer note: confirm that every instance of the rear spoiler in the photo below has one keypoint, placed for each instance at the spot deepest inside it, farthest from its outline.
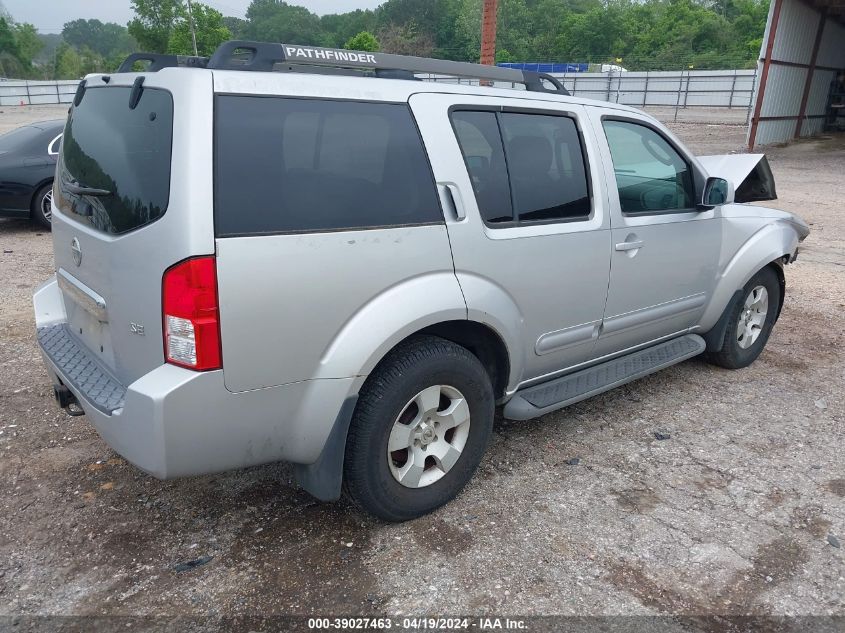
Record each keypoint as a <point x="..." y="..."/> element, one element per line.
<point x="750" y="175"/>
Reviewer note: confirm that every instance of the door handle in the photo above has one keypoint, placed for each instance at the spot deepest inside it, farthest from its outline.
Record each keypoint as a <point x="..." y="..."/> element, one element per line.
<point x="629" y="246"/>
<point x="452" y="196"/>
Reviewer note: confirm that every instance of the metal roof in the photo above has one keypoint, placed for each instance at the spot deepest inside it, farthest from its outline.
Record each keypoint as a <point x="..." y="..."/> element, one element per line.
<point x="835" y="8"/>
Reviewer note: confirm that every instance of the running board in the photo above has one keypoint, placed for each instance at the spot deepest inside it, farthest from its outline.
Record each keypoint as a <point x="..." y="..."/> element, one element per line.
<point x="556" y="394"/>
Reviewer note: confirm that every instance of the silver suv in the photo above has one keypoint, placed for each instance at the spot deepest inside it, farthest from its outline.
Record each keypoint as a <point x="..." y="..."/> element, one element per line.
<point x="304" y="254"/>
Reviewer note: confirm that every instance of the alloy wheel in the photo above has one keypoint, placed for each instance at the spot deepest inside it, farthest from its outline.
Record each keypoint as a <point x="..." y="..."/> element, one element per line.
<point x="47" y="205"/>
<point x="752" y="317"/>
<point x="428" y="437"/>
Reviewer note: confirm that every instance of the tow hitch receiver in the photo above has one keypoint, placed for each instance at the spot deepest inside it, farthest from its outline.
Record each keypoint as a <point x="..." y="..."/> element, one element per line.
<point x="68" y="401"/>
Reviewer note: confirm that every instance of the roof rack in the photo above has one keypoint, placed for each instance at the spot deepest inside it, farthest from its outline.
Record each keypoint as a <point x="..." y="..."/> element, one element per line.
<point x="270" y="56"/>
<point x="157" y="62"/>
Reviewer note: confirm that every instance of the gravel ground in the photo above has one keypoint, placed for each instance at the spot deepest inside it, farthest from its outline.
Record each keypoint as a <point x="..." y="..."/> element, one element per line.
<point x="15" y="116"/>
<point x="741" y="511"/>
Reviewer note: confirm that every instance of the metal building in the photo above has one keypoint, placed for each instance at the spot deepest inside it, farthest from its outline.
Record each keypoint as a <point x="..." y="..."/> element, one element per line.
<point x="803" y="50"/>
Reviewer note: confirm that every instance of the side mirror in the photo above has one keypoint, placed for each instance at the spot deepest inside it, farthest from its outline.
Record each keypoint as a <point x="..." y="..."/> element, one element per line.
<point x="716" y="191"/>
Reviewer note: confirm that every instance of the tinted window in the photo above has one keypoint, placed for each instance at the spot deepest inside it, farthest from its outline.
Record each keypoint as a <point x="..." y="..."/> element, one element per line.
<point x="546" y="167"/>
<point x="286" y="165"/>
<point x="524" y="167"/>
<point x="650" y="174"/>
<point x="108" y="146"/>
<point x="481" y="145"/>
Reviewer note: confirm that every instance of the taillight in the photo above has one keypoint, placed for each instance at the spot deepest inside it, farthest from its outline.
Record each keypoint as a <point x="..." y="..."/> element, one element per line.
<point x="191" y="315"/>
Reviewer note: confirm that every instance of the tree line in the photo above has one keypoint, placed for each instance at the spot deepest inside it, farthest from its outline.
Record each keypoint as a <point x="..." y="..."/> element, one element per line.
<point x="637" y="34"/>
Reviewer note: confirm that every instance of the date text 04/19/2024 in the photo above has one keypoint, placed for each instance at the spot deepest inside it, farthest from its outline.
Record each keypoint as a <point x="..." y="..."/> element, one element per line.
<point x="418" y="624"/>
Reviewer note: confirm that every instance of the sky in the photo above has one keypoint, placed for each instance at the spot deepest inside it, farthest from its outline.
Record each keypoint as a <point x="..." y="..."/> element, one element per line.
<point x="48" y="16"/>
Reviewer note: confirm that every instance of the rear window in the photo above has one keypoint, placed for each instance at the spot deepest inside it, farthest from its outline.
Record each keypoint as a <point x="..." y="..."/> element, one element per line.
<point x="121" y="152"/>
<point x="288" y="165"/>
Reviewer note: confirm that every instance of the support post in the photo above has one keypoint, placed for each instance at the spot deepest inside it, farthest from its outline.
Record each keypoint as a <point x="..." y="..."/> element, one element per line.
<point x="764" y="75"/>
<point x="811" y="71"/>
<point x="750" y="103"/>
<point x="488" y="32"/>
<point x="733" y="87"/>
<point x="618" y="85"/>
<point x="678" y="98"/>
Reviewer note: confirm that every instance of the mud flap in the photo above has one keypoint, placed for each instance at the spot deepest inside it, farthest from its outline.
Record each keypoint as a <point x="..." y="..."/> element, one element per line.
<point x="715" y="338"/>
<point x="323" y="478"/>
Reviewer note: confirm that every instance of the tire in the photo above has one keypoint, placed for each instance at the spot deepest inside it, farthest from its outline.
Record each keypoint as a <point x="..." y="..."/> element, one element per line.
<point x="395" y="402"/>
<point x="42" y="206"/>
<point x="739" y="349"/>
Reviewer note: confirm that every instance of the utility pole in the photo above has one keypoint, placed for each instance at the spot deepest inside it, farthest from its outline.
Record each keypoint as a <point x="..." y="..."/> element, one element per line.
<point x="488" y="32"/>
<point x="193" y="30"/>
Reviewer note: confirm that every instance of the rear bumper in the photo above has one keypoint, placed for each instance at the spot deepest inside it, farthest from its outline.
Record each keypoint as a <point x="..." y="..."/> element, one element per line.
<point x="174" y="422"/>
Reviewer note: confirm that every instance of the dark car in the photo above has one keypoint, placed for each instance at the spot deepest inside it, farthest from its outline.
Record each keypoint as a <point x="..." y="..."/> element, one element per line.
<point x="27" y="167"/>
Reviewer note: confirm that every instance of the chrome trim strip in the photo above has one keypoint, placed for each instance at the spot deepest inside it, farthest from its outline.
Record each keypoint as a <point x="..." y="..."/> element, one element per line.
<point x="52" y="150"/>
<point x="86" y="298"/>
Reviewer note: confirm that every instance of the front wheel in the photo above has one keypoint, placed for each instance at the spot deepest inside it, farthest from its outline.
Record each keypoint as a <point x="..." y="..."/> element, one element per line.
<point x="42" y="206"/>
<point x="420" y="428"/>
<point x="750" y="323"/>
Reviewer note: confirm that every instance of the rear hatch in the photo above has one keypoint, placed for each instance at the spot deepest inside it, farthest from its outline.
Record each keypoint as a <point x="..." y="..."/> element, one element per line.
<point x="122" y="209"/>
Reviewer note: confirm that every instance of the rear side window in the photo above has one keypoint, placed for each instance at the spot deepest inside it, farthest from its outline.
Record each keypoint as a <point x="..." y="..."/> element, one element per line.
<point x="298" y="165"/>
<point x="524" y="167"/>
<point x="481" y="145"/>
<point x="114" y="169"/>
<point x="546" y="165"/>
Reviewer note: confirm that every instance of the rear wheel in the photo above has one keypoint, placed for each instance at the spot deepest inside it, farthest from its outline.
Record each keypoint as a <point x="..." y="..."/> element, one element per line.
<point x="420" y="428"/>
<point x="750" y="322"/>
<point x="42" y="206"/>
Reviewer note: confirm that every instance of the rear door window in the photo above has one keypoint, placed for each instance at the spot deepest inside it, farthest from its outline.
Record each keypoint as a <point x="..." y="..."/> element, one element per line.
<point x="524" y="167"/>
<point x="481" y="144"/>
<point x="546" y="165"/>
<point x="120" y="155"/>
<point x="287" y="165"/>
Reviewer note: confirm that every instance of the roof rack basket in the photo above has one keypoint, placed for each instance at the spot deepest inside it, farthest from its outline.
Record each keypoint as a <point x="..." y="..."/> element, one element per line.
<point x="267" y="56"/>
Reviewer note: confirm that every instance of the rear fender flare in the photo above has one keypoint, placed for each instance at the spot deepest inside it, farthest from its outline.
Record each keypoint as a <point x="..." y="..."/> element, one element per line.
<point x="490" y="304"/>
<point x="389" y="318"/>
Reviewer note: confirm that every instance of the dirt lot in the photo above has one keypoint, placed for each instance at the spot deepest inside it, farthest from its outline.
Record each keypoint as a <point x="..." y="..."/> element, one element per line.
<point x="741" y="511"/>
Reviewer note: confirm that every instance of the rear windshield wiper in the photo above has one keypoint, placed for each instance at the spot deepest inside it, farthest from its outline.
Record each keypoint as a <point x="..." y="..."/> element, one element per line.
<point x="86" y="191"/>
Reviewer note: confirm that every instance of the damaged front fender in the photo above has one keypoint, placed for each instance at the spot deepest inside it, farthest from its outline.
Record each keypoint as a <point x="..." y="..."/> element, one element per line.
<point x="775" y="241"/>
